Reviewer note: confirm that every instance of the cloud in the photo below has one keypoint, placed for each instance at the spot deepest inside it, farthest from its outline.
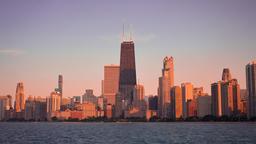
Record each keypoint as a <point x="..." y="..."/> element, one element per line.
<point x="11" y="52"/>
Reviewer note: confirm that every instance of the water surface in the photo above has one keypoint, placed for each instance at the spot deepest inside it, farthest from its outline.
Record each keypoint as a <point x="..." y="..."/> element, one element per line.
<point x="127" y="133"/>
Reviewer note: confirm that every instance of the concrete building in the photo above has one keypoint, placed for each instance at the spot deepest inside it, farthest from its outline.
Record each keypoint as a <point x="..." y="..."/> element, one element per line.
<point x="251" y="88"/>
<point x="203" y="105"/>
<point x="166" y="82"/>
<point x="111" y="83"/>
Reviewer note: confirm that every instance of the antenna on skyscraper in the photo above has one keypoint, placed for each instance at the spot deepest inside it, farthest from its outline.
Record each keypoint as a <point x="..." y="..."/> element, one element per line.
<point x="130" y="28"/>
<point x="123" y="39"/>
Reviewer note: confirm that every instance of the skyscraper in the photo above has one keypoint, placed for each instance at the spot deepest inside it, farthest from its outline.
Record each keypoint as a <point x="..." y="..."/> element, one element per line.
<point x="127" y="76"/>
<point x="226" y="75"/>
<point x="216" y="98"/>
<point x="226" y="96"/>
<point x="166" y="82"/>
<point x="251" y="88"/>
<point x="176" y="102"/>
<point x="20" y="98"/>
<point x="60" y="87"/>
<point x="110" y="83"/>
<point x="187" y="94"/>
<point x="53" y="103"/>
<point x="230" y="93"/>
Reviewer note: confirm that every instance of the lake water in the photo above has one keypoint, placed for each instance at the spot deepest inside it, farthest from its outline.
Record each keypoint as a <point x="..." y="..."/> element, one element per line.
<point x="128" y="133"/>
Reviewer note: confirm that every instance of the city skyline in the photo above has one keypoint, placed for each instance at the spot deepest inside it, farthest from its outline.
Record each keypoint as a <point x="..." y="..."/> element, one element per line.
<point x="200" y="49"/>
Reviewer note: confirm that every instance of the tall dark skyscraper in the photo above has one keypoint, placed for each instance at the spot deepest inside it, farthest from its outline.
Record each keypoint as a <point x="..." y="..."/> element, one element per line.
<point x="127" y="76"/>
<point x="251" y="88"/>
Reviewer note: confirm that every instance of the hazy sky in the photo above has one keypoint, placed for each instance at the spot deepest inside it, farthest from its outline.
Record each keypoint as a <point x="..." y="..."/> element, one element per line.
<point x="76" y="38"/>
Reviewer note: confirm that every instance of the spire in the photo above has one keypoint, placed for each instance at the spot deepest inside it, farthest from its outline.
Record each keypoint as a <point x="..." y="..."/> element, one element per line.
<point x="130" y="28"/>
<point x="123" y="37"/>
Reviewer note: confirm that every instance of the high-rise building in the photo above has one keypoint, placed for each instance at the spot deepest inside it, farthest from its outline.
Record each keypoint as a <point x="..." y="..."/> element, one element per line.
<point x="60" y="88"/>
<point x="230" y="94"/>
<point x="127" y="78"/>
<point x="166" y="82"/>
<point x="226" y="96"/>
<point x="203" y="105"/>
<point x="53" y="103"/>
<point x="251" y="88"/>
<point x="4" y="105"/>
<point x="111" y="83"/>
<point x="216" y="98"/>
<point x="226" y="75"/>
<point x="176" y="102"/>
<point x="20" y="98"/>
<point x="187" y="94"/>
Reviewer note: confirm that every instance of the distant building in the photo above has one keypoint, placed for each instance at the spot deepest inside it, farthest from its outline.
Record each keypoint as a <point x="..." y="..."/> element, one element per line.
<point x="226" y="75"/>
<point x="230" y="93"/>
<point x="166" y="82"/>
<point x="111" y="83"/>
<point x="60" y="88"/>
<point x="138" y="94"/>
<point x="187" y="94"/>
<point x="226" y="96"/>
<point x="191" y="108"/>
<point x="198" y="91"/>
<point x="89" y="97"/>
<point x="36" y="109"/>
<point x="216" y="99"/>
<point x="101" y="106"/>
<point x="203" y="105"/>
<point x="53" y="104"/>
<point x="75" y="100"/>
<point x="153" y="103"/>
<point x="20" y="98"/>
<point x="251" y="88"/>
<point x="127" y="75"/>
<point x="176" y="102"/>
<point x="4" y="106"/>
<point x="109" y="111"/>
<point x="244" y="100"/>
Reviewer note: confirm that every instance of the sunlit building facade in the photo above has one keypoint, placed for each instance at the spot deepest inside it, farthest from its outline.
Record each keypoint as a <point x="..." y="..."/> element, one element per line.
<point x="111" y="83"/>
<point x="166" y="82"/>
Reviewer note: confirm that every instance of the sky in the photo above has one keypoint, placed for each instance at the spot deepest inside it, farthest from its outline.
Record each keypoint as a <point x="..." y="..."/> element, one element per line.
<point x="76" y="38"/>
